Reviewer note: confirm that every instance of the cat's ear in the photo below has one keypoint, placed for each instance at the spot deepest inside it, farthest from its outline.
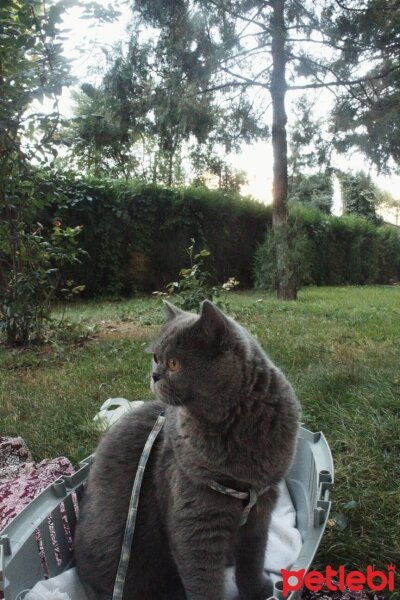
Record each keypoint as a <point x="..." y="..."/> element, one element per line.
<point x="213" y="323"/>
<point x="172" y="311"/>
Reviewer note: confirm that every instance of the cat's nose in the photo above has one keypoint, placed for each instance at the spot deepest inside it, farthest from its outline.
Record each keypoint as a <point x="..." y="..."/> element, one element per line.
<point x="156" y="377"/>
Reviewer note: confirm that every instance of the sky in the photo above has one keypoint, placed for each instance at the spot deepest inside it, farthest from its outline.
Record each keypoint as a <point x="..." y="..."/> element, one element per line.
<point x="255" y="159"/>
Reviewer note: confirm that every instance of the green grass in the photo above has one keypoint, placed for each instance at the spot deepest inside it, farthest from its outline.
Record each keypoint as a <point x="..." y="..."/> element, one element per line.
<point x="340" y="348"/>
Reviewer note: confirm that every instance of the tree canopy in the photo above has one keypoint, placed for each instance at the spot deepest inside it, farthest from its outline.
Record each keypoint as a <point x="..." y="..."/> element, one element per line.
<point x="367" y="115"/>
<point x="150" y="113"/>
<point x="197" y="77"/>
<point x="33" y="72"/>
<point x="259" y="50"/>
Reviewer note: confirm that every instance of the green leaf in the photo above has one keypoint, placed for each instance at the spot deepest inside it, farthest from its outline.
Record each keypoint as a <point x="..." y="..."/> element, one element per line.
<point x="202" y="253"/>
<point x="350" y="505"/>
<point x="78" y="289"/>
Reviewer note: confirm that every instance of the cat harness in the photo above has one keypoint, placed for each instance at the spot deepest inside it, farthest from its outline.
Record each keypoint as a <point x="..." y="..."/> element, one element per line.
<point x="252" y="496"/>
<point x="132" y="511"/>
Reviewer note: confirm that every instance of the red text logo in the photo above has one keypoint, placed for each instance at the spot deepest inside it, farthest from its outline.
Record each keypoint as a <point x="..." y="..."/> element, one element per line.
<point x="339" y="579"/>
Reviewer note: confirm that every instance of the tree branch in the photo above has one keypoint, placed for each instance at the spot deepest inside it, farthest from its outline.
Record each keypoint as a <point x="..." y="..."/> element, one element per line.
<point x="248" y="23"/>
<point x="238" y="15"/>
<point x="314" y="22"/>
<point x="246" y="79"/>
<point x="311" y="41"/>
<point x="308" y="61"/>
<point x="356" y="10"/>
<point x="232" y="84"/>
<point x="255" y="34"/>
<point x="346" y="82"/>
<point x="245" y="55"/>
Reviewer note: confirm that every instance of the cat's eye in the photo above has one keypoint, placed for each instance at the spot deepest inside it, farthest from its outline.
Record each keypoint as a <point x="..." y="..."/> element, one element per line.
<point x="155" y="358"/>
<point x="173" y="364"/>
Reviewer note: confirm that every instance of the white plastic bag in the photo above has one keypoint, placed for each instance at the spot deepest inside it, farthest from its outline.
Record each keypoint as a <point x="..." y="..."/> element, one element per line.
<point x="112" y="410"/>
<point x="65" y="586"/>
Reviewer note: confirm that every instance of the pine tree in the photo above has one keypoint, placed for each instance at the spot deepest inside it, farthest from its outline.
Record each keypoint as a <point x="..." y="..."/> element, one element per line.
<point x="367" y="115"/>
<point x="275" y="47"/>
<point x="360" y="195"/>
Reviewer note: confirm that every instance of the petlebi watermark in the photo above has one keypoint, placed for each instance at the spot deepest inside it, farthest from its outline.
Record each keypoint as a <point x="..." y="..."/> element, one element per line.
<point x="338" y="580"/>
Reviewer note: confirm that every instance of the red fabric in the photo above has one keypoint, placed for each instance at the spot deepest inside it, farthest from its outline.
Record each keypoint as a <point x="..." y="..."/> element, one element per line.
<point x="21" y="480"/>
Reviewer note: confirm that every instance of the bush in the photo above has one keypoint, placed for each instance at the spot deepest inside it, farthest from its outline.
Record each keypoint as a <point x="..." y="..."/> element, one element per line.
<point x="300" y="257"/>
<point x="136" y="235"/>
<point x="193" y="285"/>
<point x="32" y="262"/>
<point x="329" y="250"/>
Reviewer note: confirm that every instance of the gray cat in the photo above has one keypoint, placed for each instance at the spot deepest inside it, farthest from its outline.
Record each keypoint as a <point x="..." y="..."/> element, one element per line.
<point x="231" y="418"/>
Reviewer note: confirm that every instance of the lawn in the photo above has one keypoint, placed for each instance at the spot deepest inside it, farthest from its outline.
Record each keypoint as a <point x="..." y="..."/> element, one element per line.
<point x="340" y="348"/>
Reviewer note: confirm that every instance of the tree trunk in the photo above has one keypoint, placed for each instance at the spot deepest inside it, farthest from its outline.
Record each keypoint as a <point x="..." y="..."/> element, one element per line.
<point x="154" y="168"/>
<point x="286" y="286"/>
<point x="170" y="167"/>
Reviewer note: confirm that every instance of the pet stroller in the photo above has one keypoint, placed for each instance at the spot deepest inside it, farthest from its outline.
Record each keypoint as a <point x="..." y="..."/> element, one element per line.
<point x="50" y="520"/>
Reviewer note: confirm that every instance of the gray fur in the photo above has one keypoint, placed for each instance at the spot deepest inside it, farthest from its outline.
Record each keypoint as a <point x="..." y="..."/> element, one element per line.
<point x="230" y="416"/>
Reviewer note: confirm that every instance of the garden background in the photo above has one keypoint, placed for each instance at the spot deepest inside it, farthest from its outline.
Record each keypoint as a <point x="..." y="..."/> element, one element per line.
<point x="134" y="196"/>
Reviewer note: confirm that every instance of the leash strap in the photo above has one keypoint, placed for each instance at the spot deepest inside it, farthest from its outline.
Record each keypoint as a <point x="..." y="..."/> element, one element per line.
<point x="132" y="512"/>
<point x="251" y="496"/>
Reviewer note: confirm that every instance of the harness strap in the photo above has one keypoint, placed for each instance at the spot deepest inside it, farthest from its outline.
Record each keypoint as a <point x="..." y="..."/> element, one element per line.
<point x="252" y="496"/>
<point x="132" y="512"/>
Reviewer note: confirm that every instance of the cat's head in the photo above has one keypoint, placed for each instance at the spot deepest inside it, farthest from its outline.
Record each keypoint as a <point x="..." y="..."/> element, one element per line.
<point x="195" y="361"/>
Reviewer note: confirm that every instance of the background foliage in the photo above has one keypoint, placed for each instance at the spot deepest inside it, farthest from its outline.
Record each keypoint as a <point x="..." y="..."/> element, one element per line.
<point x="163" y="100"/>
<point x="328" y="250"/>
<point x="32" y="69"/>
<point x="136" y="236"/>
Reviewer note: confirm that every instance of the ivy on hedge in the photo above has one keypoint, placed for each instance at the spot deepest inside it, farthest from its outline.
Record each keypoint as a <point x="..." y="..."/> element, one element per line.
<point x="136" y="235"/>
<point x="334" y="251"/>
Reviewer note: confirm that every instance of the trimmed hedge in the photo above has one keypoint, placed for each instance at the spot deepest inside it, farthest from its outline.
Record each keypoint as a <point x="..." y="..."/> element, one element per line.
<point x="336" y="250"/>
<point x="136" y="235"/>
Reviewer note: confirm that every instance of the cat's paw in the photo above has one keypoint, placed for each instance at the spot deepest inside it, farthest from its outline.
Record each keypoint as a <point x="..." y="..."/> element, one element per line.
<point x="263" y="591"/>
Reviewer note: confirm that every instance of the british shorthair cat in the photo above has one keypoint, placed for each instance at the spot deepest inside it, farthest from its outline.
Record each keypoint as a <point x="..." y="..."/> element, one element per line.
<point x="231" y="422"/>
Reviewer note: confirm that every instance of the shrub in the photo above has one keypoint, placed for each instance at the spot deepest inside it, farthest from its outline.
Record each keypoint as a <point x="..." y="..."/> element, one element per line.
<point x="193" y="285"/>
<point x="387" y="259"/>
<point x="33" y="272"/>
<point x="329" y="250"/>
<point x="301" y="252"/>
<point x="136" y="235"/>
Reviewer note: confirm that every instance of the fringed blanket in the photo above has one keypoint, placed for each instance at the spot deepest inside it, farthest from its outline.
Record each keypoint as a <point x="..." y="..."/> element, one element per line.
<point x="21" y="480"/>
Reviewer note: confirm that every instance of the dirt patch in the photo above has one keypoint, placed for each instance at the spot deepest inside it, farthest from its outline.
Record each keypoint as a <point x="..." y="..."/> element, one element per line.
<point x="27" y="375"/>
<point x="121" y="329"/>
